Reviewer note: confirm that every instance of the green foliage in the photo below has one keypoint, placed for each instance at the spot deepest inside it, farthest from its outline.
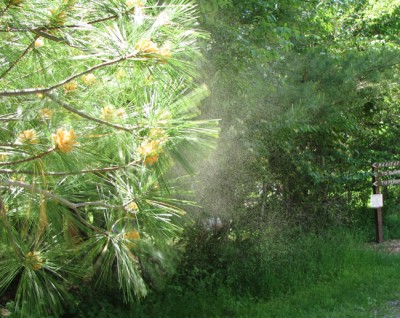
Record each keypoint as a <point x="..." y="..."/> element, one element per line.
<point x="319" y="147"/>
<point x="355" y="294"/>
<point x="348" y="287"/>
<point x="391" y="219"/>
<point x="261" y="263"/>
<point x="303" y="123"/>
<point x="98" y="102"/>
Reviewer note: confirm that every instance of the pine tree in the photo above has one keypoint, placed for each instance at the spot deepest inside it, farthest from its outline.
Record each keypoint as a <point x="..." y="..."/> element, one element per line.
<point x="97" y="100"/>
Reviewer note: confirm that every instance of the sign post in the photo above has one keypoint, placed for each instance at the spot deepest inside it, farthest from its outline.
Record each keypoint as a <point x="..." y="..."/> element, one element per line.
<point x="377" y="198"/>
<point x="378" y="211"/>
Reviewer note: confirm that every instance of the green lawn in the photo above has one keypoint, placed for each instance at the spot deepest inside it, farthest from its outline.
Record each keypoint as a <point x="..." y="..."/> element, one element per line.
<point x="369" y="286"/>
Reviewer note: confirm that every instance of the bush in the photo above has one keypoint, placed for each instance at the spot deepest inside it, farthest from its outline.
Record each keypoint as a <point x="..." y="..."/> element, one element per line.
<point x="260" y="263"/>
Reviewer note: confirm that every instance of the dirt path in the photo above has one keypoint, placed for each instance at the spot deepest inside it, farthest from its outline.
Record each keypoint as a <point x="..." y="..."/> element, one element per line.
<point x="390" y="246"/>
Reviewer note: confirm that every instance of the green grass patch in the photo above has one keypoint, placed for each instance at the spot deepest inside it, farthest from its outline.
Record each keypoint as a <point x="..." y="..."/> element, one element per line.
<point x="368" y="282"/>
<point x="364" y="289"/>
<point x="313" y="276"/>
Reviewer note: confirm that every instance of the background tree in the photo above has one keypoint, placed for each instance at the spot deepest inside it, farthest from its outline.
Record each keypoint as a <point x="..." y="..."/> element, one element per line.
<point x="97" y="101"/>
<point x="307" y="96"/>
<point x="310" y="106"/>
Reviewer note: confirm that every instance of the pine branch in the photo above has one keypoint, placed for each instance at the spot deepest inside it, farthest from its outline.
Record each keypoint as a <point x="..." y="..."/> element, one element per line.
<point x="35" y="189"/>
<point x="9" y="117"/>
<point x="60" y="27"/>
<point x="9" y="163"/>
<point x="30" y="91"/>
<point x="19" y="58"/>
<point x="97" y="203"/>
<point x="83" y="115"/>
<point x="60" y="174"/>
<point x="56" y="39"/>
<point x="49" y="195"/>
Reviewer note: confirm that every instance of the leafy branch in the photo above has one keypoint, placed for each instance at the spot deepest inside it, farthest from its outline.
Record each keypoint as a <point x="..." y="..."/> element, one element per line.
<point x="52" y="196"/>
<point x="60" y="27"/>
<point x="56" y="39"/>
<point x="9" y="163"/>
<point x="83" y="115"/>
<point x="61" y="174"/>
<point x="30" y="91"/>
<point x="19" y="58"/>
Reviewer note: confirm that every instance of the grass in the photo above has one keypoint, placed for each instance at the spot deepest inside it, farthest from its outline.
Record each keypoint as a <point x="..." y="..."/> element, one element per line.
<point x="333" y="276"/>
<point x="364" y="290"/>
<point x="365" y="285"/>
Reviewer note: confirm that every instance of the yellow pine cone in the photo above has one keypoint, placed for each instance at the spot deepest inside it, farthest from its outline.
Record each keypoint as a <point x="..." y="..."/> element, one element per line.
<point x="136" y="3"/>
<point x="46" y="113"/>
<point x="165" y="53"/>
<point x="147" y="46"/>
<point x="150" y="160"/>
<point x="121" y="113"/>
<point x="108" y="113"/>
<point x="39" y="42"/>
<point x="148" y="150"/>
<point x="70" y="86"/>
<point x="33" y="260"/>
<point x="159" y="135"/>
<point x="65" y="140"/>
<point x="132" y="235"/>
<point x="28" y="136"/>
<point x="89" y="79"/>
<point x="132" y="207"/>
<point x="148" y="147"/>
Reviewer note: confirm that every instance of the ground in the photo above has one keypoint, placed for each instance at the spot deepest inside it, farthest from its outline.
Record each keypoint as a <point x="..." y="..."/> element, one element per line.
<point x="391" y="246"/>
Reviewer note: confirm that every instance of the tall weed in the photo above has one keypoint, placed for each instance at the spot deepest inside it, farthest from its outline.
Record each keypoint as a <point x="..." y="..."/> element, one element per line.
<point x="262" y="263"/>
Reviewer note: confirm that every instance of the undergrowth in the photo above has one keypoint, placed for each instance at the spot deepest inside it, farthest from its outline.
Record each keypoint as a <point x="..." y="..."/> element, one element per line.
<point x="262" y="274"/>
<point x="232" y="273"/>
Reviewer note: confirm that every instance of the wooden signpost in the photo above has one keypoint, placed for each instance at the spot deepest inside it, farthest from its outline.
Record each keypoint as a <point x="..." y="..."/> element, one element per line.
<point x="377" y="183"/>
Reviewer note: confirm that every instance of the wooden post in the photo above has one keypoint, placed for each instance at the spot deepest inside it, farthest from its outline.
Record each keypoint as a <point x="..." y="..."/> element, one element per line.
<point x="378" y="213"/>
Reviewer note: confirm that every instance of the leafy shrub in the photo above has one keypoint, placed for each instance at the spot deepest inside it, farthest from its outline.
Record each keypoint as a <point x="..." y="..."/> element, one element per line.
<point x="260" y="263"/>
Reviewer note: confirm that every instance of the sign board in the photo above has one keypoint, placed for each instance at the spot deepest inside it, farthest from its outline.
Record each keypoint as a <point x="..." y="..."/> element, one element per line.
<point x="376" y="201"/>
<point x="388" y="173"/>
<point x="386" y="164"/>
<point x="386" y="182"/>
<point x="379" y="179"/>
<point x="379" y="175"/>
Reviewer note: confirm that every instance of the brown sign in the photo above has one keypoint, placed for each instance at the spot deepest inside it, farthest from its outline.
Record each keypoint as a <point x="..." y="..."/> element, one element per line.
<point x="386" y="164"/>
<point x="388" y="173"/>
<point x="377" y="183"/>
<point x="386" y="182"/>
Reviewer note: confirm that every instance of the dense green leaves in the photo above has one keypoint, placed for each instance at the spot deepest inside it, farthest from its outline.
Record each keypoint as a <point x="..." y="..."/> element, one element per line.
<point x="313" y="103"/>
<point x="100" y="99"/>
<point x="97" y="103"/>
